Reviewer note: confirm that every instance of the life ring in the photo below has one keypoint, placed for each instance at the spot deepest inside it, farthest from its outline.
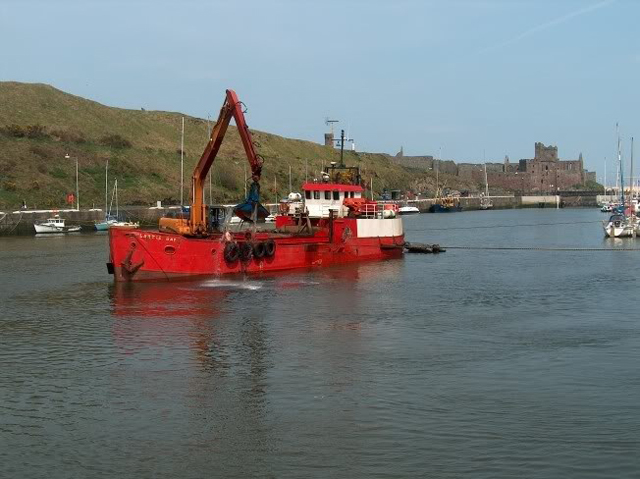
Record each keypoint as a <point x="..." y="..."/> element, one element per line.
<point x="231" y="252"/>
<point x="246" y="250"/>
<point x="259" y="250"/>
<point x="269" y="247"/>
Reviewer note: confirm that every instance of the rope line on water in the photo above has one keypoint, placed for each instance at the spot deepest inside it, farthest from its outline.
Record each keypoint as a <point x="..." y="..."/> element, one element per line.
<point x="509" y="226"/>
<point x="533" y="248"/>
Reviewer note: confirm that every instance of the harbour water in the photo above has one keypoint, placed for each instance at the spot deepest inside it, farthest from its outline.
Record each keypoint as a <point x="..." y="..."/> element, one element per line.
<point x="472" y="363"/>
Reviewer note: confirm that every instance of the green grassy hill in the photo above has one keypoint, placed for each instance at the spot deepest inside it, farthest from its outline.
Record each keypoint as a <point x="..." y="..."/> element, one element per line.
<point x="39" y="125"/>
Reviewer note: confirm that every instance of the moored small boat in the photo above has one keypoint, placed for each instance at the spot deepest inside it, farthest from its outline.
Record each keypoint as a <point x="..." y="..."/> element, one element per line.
<point x="445" y="205"/>
<point x="125" y="224"/>
<point x="105" y="224"/>
<point x="485" y="200"/>
<point x="408" y="210"/>
<point x="620" y="226"/>
<point x="54" y="225"/>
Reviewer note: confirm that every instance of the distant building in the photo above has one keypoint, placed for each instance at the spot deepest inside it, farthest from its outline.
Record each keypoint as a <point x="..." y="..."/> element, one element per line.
<point x="545" y="173"/>
<point x="328" y="139"/>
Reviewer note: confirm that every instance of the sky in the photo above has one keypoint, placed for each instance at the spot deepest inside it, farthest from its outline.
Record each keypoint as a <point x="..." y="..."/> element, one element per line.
<point x="464" y="79"/>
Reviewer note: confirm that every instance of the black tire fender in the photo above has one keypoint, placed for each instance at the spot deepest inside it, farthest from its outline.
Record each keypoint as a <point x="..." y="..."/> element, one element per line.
<point x="259" y="250"/>
<point x="246" y="251"/>
<point x="269" y="247"/>
<point x="231" y="252"/>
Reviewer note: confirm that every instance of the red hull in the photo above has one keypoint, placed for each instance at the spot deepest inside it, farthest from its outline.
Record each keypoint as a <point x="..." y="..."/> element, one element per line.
<point x="139" y="255"/>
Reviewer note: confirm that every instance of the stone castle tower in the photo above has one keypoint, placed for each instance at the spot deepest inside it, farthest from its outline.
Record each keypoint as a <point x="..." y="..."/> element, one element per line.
<point x="546" y="153"/>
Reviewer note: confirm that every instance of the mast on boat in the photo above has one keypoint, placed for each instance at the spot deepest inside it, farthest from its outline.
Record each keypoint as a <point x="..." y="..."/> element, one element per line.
<point x="621" y="171"/>
<point x="486" y="182"/>
<point x="106" y="188"/>
<point x="631" y="175"/>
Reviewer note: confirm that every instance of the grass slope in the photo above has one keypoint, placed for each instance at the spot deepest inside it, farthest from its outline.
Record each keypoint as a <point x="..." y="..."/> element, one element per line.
<point x="39" y="125"/>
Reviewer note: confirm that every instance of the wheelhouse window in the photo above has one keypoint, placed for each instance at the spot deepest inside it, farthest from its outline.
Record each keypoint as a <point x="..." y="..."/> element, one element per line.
<point x="327" y="195"/>
<point x="316" y="195"/>
<point x="307" y="194"/>
<point x="336" y="195"/>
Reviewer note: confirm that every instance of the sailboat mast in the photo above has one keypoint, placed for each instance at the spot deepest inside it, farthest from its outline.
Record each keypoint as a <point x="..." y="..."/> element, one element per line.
<point x="486" y="182"/>
<point x="117" y="210"/>
<point x="631" y="174"/>
<point x="620" y="168"/>
<point x="106" y="185"/>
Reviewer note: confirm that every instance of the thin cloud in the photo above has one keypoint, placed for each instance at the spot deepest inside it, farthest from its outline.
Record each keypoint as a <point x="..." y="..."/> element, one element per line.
<point x="549" y="24"/>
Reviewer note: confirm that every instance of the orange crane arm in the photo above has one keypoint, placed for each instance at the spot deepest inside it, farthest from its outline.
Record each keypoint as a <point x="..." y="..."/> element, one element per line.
<point x="231" y="108"/>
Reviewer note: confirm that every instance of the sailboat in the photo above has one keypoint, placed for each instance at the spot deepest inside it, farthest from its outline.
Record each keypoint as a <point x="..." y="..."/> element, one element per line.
<point x="108" y="218"/>
<point x="621" y="224"/>
<point x="121" y="224"/>
<point x="485" y="200"/>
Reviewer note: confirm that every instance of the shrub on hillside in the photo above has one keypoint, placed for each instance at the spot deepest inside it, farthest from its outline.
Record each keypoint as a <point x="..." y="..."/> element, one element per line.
<point x="68" y="136"/>
<point x="10" y="185"/>
<point x="115" y="141"/>
<point x="36" y="132"/>
<point x="15" y="131"/>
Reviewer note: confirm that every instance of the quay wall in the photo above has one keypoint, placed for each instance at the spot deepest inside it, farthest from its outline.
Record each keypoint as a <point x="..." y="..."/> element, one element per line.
<point x="21" y="222"/>
<point x="508" y="202"/>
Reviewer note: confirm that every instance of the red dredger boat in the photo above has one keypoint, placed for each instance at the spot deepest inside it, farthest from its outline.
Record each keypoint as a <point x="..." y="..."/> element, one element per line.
<point x="332" y="223"/>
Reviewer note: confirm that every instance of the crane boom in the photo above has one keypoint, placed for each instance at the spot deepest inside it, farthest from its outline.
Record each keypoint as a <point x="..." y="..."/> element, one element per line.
<point x="197" y="223"/>
<point x="230" y="108"/>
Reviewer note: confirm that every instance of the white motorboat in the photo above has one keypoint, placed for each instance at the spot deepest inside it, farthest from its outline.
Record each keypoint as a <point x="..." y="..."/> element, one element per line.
<point x="609" y="207"/>
<point x="54" y="225"/>
<point x="408" y="210"/>
<point x="125" y="224"/>
<point x="619" y="226"/>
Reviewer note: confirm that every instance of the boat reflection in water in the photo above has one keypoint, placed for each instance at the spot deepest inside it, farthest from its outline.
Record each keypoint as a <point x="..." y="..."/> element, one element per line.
<point x="232" y="360"/>
<point x="198" y="315"/>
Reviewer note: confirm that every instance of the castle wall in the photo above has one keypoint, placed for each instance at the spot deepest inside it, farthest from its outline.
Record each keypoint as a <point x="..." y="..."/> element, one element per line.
<point x="544" y="173"/>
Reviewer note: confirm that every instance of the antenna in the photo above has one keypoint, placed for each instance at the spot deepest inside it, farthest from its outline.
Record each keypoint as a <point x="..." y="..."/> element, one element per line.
<point x="340" y="142"/>
<point x="330" y="123"/>
<point x="349" y="139"/>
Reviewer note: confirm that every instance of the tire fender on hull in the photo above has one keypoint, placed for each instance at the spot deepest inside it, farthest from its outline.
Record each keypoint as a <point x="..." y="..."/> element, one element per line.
<point x="269" y="248"/>
<point x="231" y="252"/>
